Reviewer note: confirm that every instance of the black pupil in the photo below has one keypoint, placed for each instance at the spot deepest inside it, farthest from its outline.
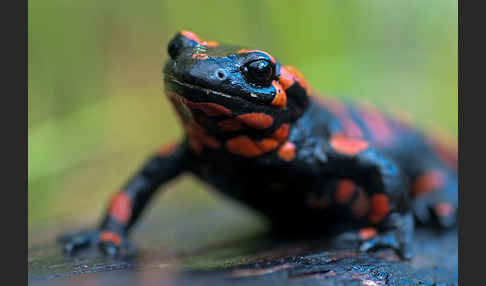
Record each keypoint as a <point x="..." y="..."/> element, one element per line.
<point x="260" y="72"/>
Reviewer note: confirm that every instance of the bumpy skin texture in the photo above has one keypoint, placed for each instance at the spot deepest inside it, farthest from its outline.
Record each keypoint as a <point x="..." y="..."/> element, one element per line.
<point x="256" y="132"/>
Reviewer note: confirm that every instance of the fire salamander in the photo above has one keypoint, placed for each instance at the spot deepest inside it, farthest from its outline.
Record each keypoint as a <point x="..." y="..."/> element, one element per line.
<point x="258" y="133"/>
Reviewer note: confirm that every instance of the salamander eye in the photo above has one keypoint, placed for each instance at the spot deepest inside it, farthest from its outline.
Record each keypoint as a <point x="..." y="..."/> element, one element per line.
<point x="259" y="72"/>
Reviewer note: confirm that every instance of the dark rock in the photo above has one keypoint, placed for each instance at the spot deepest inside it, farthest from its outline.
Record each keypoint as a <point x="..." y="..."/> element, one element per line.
<point x="259" y="260"/>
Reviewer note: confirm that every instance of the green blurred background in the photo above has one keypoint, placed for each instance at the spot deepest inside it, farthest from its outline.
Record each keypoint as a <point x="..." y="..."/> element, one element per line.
<point x="96" y="108"/>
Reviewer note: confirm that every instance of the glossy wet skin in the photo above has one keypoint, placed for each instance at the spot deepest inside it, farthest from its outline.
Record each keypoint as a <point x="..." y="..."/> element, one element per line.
<point x="241" y="81"/>
<point x="255" y="133"/>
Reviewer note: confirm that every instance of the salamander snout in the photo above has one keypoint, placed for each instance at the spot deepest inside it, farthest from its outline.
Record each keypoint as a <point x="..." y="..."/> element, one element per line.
<point x="176" y="45"/>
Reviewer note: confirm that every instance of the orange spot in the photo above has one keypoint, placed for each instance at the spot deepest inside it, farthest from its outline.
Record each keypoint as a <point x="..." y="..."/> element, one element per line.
<point x="190" y="35"/>
<point x="199" y="138"/>
<point x="208" y="140"/>
<point x="167" y="149"/>
<point x="121" y="207"/>
<point x="199" y="133"/>
<point x="211" y="109"/>
<point x="344" y="191"/>
<point x="427" y="182"/>
<point x="195" y="38"/>
<point x="280" y="99"/>
<point x="340" y="110"/>
<point x="444" y="209"/>
<point x="348" y="146"/>
<point x="256" y="120"/>
<point x="377" y="124"/>
<point x="367" y="233"/>
<point x="380" y="207"/>
<point x="267" y="144"/>
<point x="211" y="44"/>
<point x="286" y="79"/>
<point x="200" y="56"/>
<point x="243" y="145"/>
<point x="361" y="205"/>
<point x="230" y="125"/>
<point x="282" y="132"/>
<point x="287" y="151"/>
<point x="243" y="51"/>
<point x="447" y="153"/>
<point x="110" y="236"/>
<point x="297" y="75"/>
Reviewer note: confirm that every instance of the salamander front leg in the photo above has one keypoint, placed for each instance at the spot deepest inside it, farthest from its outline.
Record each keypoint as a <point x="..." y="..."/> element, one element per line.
<point x="126" y="205"/>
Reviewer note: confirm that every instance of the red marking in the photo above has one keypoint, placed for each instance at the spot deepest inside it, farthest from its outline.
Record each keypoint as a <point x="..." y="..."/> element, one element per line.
<point x="348" y="146"/>
<point x="230" y="125"/>
<point x="200" y="56"/>
<point x="267" y="144"/>
<point x="427" y="182"/>
<point x="208" y="140"/>
<point x="110" y="236"/>
<point x="286" y="79"/>
<point x="377" y="124"/>
<point x="361" y="205"/>
<point x="340" y="110"/>
<point x="195" y="38"/>
<point x="280" y="99"/>
<point x="282" y="132"/>
<point x="244" y="51"/>
<point x="198" y="138"/>
<point x="121" y="207"/>
<point x="197" y="131"/>
<point x="286" y="152"/>
<point x="211" y="44"/>
<point x="256" y="120"/>
<point x="191" y="36"/>
<point x="367" y="233"/>
<point x="447" y="153"/>
<point x="444" y="209"/>
<point x="296" y="75"/>
<point x="211" y="109"/>
<point x="167" y="149"/>
<point x="380" y="207"/>
<point x="243" y="145"/>
<point x="344" y="191"/>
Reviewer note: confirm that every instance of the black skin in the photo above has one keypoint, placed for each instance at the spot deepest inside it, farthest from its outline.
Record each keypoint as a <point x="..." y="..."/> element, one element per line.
<point x="285" y="189"/>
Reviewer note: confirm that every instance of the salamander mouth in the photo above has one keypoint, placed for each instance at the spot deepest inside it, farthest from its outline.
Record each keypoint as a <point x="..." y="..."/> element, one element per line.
<point x="196" y="92"/>
<point x="199" y="93"/>
<point x="193" y="95"/>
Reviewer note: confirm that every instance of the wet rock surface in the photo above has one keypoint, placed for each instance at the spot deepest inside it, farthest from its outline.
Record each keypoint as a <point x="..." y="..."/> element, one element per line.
<point x="258" y="259"/>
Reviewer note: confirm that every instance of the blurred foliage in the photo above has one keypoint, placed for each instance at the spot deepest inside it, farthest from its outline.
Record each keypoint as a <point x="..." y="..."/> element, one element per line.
<point x="96" y="108"/>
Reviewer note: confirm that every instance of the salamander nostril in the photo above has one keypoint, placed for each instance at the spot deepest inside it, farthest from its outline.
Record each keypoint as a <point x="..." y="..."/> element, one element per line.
<point x="221" y="74"/>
